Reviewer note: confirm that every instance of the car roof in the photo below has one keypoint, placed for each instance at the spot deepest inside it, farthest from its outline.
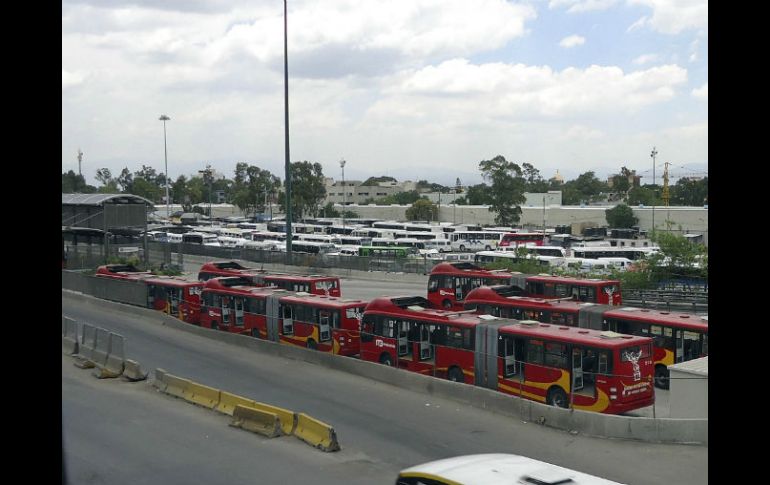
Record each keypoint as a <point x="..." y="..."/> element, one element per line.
<point x="499" y="469"/>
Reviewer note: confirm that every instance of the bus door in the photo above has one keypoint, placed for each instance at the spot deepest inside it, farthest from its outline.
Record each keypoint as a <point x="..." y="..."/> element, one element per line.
<point x="679" y="342"/>
<point x="225" y="305"/>
<point x="174" y="298"/>
<point x="287" y="314"/>
<point x="577" y="368"/>
<point x="238" y="312"/>
<point x="459" y="289"/>
<point x="403" y="338"/>
<point x="508" y="353"/>
<point x="424" y="339"/>
<point x="324" y="325"/>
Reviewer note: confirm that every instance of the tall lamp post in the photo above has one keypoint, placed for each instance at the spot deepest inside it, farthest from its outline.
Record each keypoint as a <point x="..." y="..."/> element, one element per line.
<point x="165" y="118"/>
<point x="342" y="165"/>
<point x="654" y="152"/>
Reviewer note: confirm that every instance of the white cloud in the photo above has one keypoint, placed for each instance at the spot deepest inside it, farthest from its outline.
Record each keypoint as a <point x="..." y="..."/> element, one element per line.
<point x="70" y="79"/>
<point x="581" y="132"/>
<point x="673" y="16"/>
<point x="645" y="59"/>
<point x="572" y="41"/>
<point x="701" y="92"/>
<point x="577" y="6"/>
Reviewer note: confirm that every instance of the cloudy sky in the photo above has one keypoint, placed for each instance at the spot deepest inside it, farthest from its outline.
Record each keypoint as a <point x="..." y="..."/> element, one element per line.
<point x="414" y="89"/>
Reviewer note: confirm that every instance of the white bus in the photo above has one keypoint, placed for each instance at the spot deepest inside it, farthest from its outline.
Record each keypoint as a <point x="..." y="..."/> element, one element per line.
<point x="442" y="245"/>
<point x="475" y="240"/>
<point x="312" y="247"/>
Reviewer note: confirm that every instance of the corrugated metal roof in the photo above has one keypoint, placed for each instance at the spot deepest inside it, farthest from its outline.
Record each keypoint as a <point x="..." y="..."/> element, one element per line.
<point x="99" y="199"/>
<point x="696" y="366"/>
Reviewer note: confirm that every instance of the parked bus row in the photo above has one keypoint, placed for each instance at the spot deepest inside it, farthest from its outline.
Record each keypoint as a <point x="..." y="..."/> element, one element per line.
<point x="677" y="336"/>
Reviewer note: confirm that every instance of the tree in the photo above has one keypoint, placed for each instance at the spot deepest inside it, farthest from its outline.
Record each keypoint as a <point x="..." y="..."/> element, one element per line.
<point x="401" y="198"/>
<point x="690" y="192"/>
<point x="642" y="195"/>
<point x="104" y="176"/>
<point x="621" y="216"/>
<point x="535" y="182"/>
<point x="72" y="183"/>
<point x="376" y="180"/>
<point x="252" y="186"/>
<point x="476" y="195"/>
<point x="179" y="191"/>
<point x="307" y="189"/>
<point x="422" y="210"/>
<point x="125" y="181"/>
<point x="507" y="190"/>
<point x="585" y="188"/>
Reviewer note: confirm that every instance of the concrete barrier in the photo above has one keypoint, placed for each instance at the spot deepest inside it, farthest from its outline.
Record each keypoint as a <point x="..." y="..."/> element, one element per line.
<point x="256" y="421"/>
<point x="205" y="396"/>
<point x="69" y="336"/>
<point x="132" y="371"/>
<point x="176" y="386"/>
<point x="316" y="433"/>
<point x="228" y="402"/>
<point x="160" y="379"/>
<point x="288" y="418"/>
<point x="116" y="357"/>
<point x="85" y="355"/>
<point x="667" y="430"/>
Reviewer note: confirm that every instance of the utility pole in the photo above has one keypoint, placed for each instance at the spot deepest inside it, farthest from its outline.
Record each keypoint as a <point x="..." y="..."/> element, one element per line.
<point x="654" y="152"/>
<point x="286" y="117"/>
<point x="80" y="159"/>
<point x="342" y="165"/>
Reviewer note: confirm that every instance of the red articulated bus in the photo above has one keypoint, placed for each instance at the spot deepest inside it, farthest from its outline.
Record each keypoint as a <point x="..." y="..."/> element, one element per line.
<point x="313" y="284"/>
<point x="324" y="323"/>
<point x="559" y="365"/>
<point x="449" y="283"/>
<point x="176" y="296"/>
<point x="591" y="290"/>
<point x="121" y="271"/>
<point x="677" y="336"/>
<point x="513" y="239"/>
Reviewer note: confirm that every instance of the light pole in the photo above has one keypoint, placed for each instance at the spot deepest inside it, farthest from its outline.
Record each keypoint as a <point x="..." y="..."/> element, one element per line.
<point x="342" y="165"/>
<point x="654" y="152"/>
<point x="165" y="118"/>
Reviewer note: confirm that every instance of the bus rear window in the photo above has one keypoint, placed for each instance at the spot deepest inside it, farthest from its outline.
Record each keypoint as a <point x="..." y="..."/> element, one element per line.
<point x="629" y="354"/>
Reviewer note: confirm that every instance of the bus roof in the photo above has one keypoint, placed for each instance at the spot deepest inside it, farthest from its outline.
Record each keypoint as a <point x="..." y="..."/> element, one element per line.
<point x="176" y="281"/>
<point x="583" y="336"/>
<point x="505" y="293"/>
<point x="578" y="281"/>
<point x="419" y="307"/>
<point x="498" y="469"/>
<point x="679" y="319"/>
<point x="331" y="301"/>
<point x="469" y="268"/>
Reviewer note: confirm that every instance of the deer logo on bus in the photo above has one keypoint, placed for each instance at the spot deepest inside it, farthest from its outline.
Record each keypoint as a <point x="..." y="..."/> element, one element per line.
<point x="610" y="290"/>
<point x="634" y="359"/>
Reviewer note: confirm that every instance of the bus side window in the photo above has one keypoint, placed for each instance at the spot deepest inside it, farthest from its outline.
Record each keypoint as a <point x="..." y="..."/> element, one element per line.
<point x="433" y="283"/>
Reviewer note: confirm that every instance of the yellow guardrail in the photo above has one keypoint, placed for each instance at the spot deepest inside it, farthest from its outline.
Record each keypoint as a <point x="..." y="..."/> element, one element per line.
<point x="205" y="396"/>
<point x="288" y="418"/>
<point x="228" y="401"/>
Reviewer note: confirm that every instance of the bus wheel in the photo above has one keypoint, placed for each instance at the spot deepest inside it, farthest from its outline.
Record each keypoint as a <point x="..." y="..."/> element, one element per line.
<point x="311" y="344"/>
<point x="214" y="325"/>
<point x="557" y="397"/>
<point x="255" y="332"/>
<point x="447" y="304"/>
<point x="455" y="375"/>
<point x="661" y="377"/>
<point x="487" y="248"/>
<point x="462" y="247"/>
<point x="386" y="360"/>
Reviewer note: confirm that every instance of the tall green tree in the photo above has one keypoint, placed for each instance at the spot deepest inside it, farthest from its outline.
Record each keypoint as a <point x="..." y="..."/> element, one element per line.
<point x="422" y="210"/>
<point x="690" y="192"/>
<point x="585" y="188"/>
<point x="401" y="198"/>
<point x="621" y="216"/>
<point x="125" y="181"/>
<point x="507" y="189"/>
<point x="307" y="190"/>
<point x="476" y="195"/>
<point x="535" y="182"/>
<point x="72" y="183"/>
<point x="642" y="195"/>
<point x="252" y="187"/>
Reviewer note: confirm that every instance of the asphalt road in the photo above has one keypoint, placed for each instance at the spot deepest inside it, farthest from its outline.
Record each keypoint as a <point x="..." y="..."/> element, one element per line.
<point x="117" y="432"/>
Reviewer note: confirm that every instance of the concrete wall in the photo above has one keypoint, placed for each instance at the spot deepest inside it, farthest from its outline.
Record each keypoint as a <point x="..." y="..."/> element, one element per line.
<point x="689" y="395"/>
<point x="594" y="424"/>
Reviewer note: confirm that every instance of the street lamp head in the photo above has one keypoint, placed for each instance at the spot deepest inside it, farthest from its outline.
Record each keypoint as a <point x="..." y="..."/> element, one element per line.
<point x="164" y="118"/>
<point x="342" y="163"/>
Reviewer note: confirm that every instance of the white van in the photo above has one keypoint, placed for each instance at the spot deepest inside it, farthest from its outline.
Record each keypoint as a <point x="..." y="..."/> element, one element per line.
<point x="442" y="245"/>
